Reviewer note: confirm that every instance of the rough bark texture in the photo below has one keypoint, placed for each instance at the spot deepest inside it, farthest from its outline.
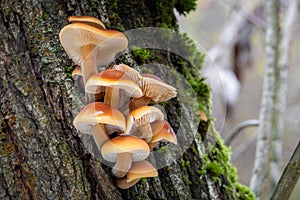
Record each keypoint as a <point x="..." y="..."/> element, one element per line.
<point x="41" y="154"/>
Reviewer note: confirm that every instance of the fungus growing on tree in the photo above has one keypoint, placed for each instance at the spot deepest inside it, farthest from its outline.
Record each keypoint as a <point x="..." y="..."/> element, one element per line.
<point x="113" y="82"/>
<point x="89" y="46"/>
<point x="154" y="89"/>
<point x="142" y="169"/>
<point x="87" y="20"/>
<point x="162" y="130"/>
<point x="123" y="150"/>
<point x="140" y="120"/>
<point x="76" y="73"/>
<point x="92" y="118"/>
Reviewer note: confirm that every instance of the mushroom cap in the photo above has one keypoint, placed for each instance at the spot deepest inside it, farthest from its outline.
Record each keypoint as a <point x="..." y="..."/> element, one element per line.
<point x="125" y="144"/>
<point x="113" y="78"/>
<point x="87" y="20"/>
<point x="129" y="71"/>
<point x="143" y="115"/>
<point x="76" y="73"/>
<point x="156" y="89"/>
<point x="164" y="132"/>
<point x="98" y="112"/>
<point x="107" y="43"/>
<point x="141" y="169"/>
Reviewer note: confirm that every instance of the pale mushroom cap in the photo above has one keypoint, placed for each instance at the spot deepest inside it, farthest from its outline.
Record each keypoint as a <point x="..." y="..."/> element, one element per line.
<point x="88" y="20"/>
<point x="76" y="73"/>
<point x="123" y="184"/>
<point x="154" y="112"/>
<point x="125" y="144"/>
<point x="142" y="169"/>
<point x="129" y="71"/>
<point x="98" y="112"/>
<point x="107" y="42"/>
<point x="157" y="90"/>
<point x="142" y="116"/>
<point x="113" y="78"/>
<point x="165" y="132"/>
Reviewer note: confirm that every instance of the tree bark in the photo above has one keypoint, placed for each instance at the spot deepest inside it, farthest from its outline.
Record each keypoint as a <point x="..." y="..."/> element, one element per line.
<point x="43" y="157"/>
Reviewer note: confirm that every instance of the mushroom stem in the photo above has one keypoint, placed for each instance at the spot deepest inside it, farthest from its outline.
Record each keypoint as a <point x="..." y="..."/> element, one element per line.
<point x="138" y="102"/>
<point x="112" y="97"/>
<point x="123" y="184"/>
<point x="152" y="145"/>
<point x="89" y="66"/>
<point x="100" y="135"/>
<point x="123" y="164"/>
<point x="146" y="132"/>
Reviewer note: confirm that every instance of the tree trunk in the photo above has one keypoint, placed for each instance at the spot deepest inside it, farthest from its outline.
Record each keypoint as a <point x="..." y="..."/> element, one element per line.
<point x="42" y="155"/>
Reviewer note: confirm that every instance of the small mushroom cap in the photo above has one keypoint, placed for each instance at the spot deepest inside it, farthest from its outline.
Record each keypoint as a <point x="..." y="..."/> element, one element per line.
<point x="164" y="132"/>
<point x="157" y="90"/>
<point x="125" y="144"/>
<point x="88" y="20"/>
<point x="113" y="78"/>
<point x="202" y="116"/>
<point x="123" y="184"/>
<point x="76" y="73"/>
<point x="107" y="43"/>
<point x="98" y="112"/>
<point x="143" y="115"/>
<point x="134" y="75"/>
<point x="142" y="169"/>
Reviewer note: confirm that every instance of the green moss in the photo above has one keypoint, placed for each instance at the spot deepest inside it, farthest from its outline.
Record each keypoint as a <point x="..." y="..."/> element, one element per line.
<point x="243" y="192"/>
<point x="143" y="180"/>
<point x="69" y="70"/>
<point x="185" y="6"/>
<point x="215" y="168"/>
<point x="186" y="180"/>
<point x="141" y="55"/>
<point x="185" y="164"/>
<point x="164" y="150"/>
<point x="219" y="153"/>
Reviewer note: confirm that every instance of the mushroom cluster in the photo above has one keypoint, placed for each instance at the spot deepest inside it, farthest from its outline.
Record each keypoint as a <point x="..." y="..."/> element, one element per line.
<point x="123" y="125"/>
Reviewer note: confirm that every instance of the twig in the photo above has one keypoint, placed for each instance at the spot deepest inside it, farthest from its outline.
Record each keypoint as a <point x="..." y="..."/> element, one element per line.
<point x="260" y="177"/>
<point x="237" y="129"/>
<point x="289" y="177"/>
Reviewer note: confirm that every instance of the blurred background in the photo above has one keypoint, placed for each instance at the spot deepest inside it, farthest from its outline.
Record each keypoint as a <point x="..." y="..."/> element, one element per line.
<point x="205" y="26"/>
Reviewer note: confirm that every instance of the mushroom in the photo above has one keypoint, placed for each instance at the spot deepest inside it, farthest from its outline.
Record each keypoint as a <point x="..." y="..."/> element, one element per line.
<point x="154" y="89"/>
<point x="134" y="75"/>
<point x="141" y="118"/>
<point x="92" y="118"/>
<point x="76" y="73"/>
<point x="87" y="20"/>
<point x="142" y="169"/>
<point x="162" y="130"/>
<point x="123" y="150"/>
<point x="89" y="46"/>
<point x="114" y="82"/>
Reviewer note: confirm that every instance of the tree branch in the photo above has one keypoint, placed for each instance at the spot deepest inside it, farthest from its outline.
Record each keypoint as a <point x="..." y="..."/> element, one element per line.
<point x="281" y="86"/>
<point x="289" y="177"/>
<point x="260" y="175"/>
<point x="237" y="129"/>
